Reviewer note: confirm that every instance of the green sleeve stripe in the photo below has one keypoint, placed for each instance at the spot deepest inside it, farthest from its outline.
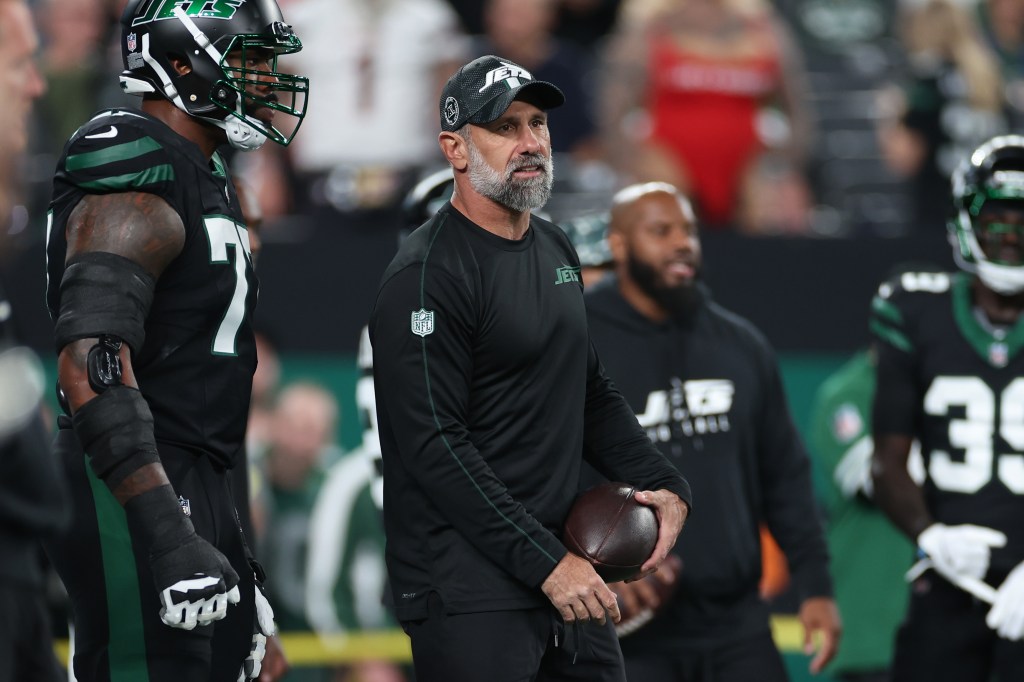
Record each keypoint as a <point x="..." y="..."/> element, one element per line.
<point x="127" y="644"/>
<point x="895" y="338"/>
<point x="118" y="152"/>
<point x="162" y="173"/>
<point x="887" y="310"/>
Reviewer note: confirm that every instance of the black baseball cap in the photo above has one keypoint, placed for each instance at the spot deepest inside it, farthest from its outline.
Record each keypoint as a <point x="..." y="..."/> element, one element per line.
<point x="483" y="89"/>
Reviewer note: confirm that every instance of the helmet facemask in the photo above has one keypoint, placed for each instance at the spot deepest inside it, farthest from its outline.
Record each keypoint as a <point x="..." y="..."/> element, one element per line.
<point x="987" y="231"/>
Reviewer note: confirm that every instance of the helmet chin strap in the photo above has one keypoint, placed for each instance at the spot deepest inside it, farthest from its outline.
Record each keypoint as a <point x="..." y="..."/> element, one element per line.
<point x="241" y="134"/>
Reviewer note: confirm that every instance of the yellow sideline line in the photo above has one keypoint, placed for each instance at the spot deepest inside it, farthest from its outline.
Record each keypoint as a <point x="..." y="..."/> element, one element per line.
<point x="307" y="649"/>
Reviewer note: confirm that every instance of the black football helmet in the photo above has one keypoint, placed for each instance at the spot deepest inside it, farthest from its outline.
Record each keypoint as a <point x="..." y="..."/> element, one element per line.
<point x="589" y="236"/>
<point x="202" y="34"/>
<point x="429" y="194"/>
<point x="993" y="172"/>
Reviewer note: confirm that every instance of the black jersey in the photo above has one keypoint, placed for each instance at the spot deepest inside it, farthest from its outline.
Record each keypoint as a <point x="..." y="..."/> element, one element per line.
<point x="488" y="391"/>
<point x="948" y="379"/>
<point x="708" y="391"/>
<point x="196" y="364"/>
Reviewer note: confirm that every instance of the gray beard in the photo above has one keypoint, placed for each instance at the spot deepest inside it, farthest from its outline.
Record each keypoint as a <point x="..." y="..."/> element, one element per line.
<point x="515" y="195"/>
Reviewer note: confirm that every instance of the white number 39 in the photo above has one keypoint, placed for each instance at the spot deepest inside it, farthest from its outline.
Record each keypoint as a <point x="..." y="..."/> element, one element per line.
<point x="974" y="434"/>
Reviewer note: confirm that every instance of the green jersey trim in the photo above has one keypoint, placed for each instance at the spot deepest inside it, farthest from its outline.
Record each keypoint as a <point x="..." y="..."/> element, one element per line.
<point x="118" y="152"/>
<point x="219" y="167"/>
<point x="978" y="338"/>
<point x="127" y="645"/>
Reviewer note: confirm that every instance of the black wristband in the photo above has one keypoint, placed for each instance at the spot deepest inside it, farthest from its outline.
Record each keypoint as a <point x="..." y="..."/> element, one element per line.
<point x="116" y="431"/>
<point x="156" y="520"/>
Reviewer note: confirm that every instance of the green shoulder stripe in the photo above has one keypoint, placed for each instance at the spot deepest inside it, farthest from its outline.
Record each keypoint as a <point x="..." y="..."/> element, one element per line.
<point x="887" y="310"/>
<point x="117" y="152"/>
<point x="893" y="337"/>
<point x="150" y="176"/>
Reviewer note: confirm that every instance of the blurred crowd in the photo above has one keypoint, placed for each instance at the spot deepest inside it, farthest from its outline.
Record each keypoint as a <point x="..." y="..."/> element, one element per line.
<point x="787" y="118"/>
<point x="792" y="117"/>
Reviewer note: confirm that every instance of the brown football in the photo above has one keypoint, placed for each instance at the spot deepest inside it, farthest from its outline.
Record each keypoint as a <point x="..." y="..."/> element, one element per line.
<point x="610" y="529"/>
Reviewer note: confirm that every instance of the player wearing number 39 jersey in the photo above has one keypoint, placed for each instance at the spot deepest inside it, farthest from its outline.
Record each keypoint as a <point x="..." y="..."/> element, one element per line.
<point x="951" y="373"/>
<point x="151" y="288"/>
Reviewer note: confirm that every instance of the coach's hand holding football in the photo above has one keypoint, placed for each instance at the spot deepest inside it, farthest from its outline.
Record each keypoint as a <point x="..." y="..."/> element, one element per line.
<point x="579" y="593"/>
<point x="671" y="513"/>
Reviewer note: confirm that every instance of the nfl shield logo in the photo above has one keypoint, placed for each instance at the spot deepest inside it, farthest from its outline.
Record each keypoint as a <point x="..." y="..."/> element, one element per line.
<point x="846" y="423"/>
<point x="186" y="506"/>
<point x="998" y="354"/>
<point x="422" y="322"/>
<point x="130" y="40"/>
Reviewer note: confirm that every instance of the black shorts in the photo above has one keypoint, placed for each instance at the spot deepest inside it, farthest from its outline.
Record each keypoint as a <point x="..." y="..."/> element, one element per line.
<point x="118" y="634"/>
<point x="749" y="658"/>
<point x="944" y="637"/>
<point x="530" y="645"/>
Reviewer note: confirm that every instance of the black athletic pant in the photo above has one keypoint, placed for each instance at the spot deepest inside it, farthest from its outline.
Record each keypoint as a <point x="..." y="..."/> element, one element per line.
<point x="26" y="640"/>
<point x="749" y="659"/>
<point x="530" y="645"/>
<point x="944" y="637"/>
<point x="119" y="636"/>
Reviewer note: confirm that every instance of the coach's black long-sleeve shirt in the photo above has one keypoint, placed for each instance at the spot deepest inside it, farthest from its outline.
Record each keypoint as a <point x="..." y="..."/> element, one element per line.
<point x="488" y="392"/>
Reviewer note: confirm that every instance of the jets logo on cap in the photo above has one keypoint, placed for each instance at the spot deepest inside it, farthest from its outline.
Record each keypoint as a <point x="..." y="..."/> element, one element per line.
<point x="510" y="73"/>
<point x="451" y="111"/>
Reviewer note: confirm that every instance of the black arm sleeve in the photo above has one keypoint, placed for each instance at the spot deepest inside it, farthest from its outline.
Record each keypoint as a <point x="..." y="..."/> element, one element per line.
<point x="617" y="446"/>
<point x="422" y="389"/>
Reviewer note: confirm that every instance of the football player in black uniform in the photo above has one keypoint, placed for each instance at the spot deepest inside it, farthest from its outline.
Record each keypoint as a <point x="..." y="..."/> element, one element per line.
<point x="706" y="386"/>
<point x="949" y="373"/>
<point x="151" y="287"/>
<point x="488" y="394"/>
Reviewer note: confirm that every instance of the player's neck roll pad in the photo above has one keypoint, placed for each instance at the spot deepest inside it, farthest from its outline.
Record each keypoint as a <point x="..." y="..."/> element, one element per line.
<point x="116" y="430"/>
<point x="104" y="294"/>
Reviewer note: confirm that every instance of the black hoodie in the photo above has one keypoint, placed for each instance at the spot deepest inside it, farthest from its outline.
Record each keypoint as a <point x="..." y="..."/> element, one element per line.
<point x="707" y="389"/>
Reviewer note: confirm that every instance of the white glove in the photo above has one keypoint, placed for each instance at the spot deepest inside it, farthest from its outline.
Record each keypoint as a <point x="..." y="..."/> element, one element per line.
<point x="265" y="627"/>
<point x="196" y="601"/>
<point x="958" y="551"/>
<point x="1006" y="616"/>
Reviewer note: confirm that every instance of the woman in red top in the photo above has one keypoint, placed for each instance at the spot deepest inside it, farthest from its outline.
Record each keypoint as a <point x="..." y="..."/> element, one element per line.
<point x="707" y="94"/>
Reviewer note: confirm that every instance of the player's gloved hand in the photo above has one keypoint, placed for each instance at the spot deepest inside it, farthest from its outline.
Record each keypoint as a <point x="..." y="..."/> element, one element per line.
<point x="1006" y="616"/>
<point x="196" y="582"/>
<point x="264" y="628"/>
<point x="962" y="550"/>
